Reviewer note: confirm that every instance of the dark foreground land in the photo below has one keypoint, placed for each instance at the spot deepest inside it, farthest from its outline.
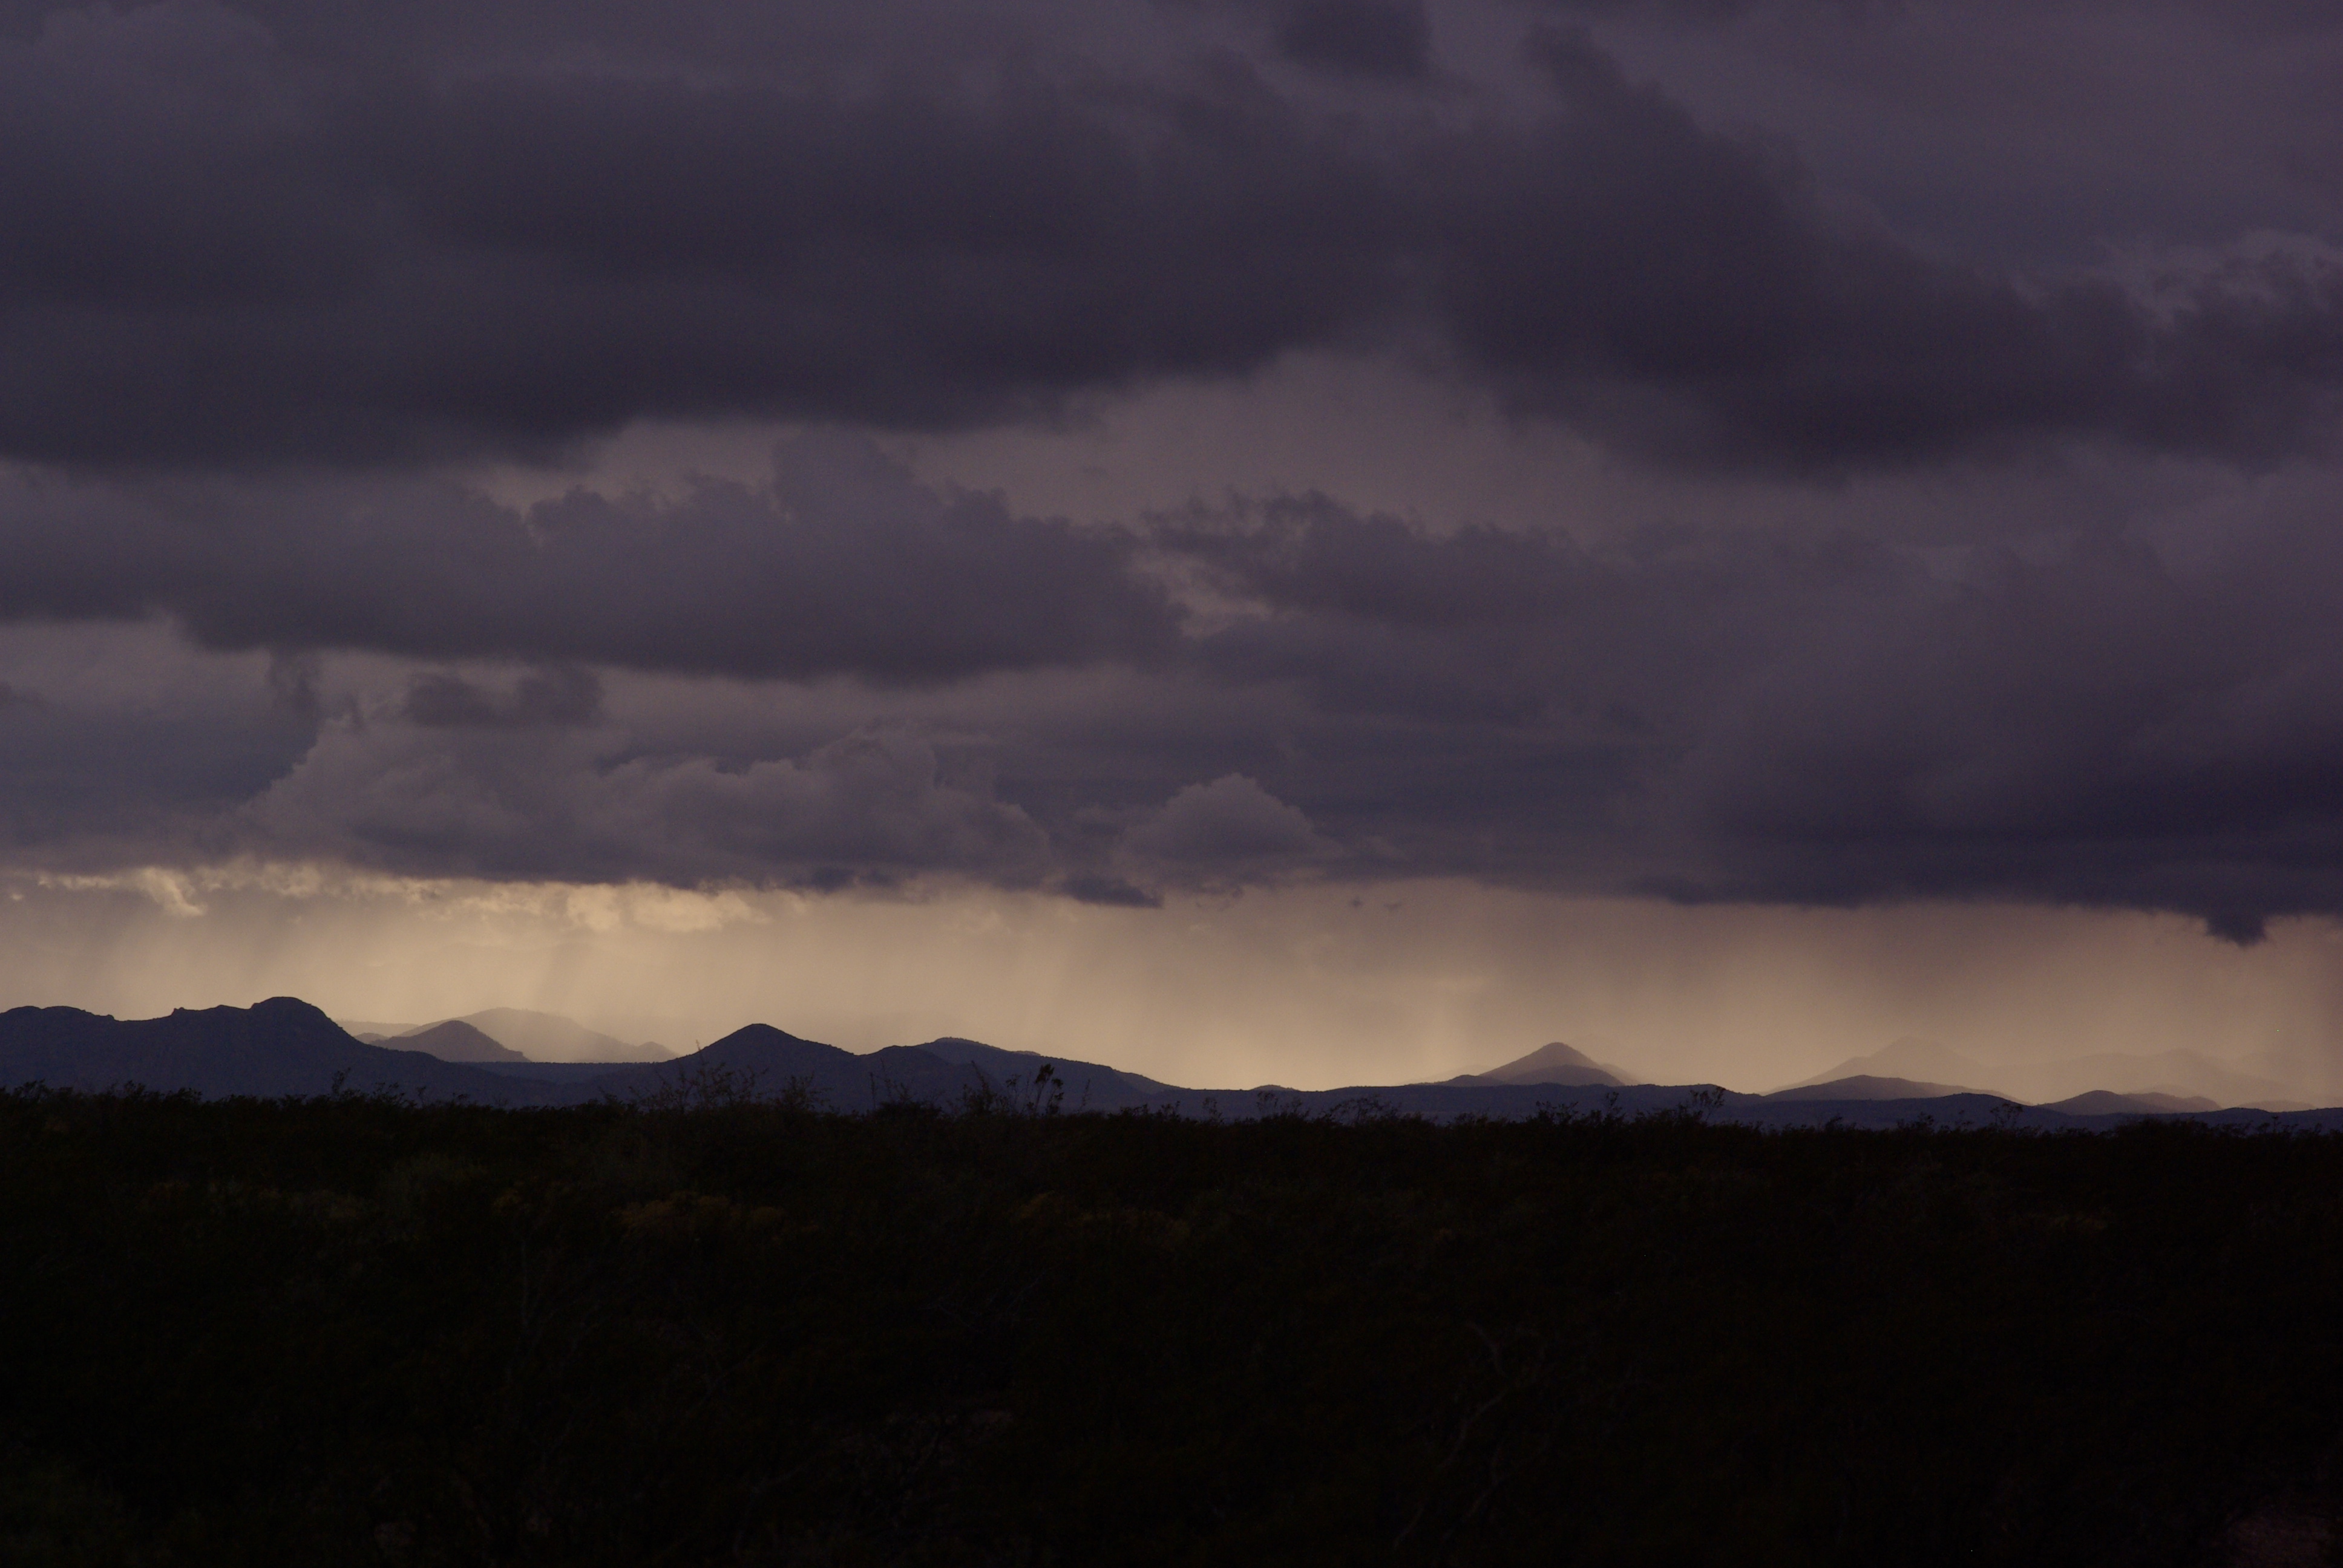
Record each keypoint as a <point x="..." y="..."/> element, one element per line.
<point x="355" y="1331"/>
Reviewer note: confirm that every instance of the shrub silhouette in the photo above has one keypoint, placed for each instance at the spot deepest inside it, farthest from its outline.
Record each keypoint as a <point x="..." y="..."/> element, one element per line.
<point x="714" y="1328"/>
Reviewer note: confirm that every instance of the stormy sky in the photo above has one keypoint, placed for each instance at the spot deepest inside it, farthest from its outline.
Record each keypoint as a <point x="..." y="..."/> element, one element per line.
<point x="1725" y="489"/>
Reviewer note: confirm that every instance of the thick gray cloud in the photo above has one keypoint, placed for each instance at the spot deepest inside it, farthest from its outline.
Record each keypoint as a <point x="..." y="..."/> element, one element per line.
<point x="2089" y="720"/>
<point x="555" y="696"/>
<point x="2102" y="718"/>
<point x="868" y="808"/>
<point x="841" y="566"/>
<point x="1229" y="828"/>
<point x="1702" y="306"/>
<point x="271" y="268"/>
<point x="1391" y="38"/>
<point x="113" y="751"/>
<point x="251" y="235"/>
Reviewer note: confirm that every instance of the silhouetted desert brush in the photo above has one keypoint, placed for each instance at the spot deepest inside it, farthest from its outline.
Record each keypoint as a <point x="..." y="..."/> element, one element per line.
<point x="715" y="1327"/>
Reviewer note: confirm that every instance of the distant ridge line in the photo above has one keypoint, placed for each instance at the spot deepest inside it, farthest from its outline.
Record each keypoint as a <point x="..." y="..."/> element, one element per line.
<point x="2178" y="1076"/>
<point x="285" y="1046"/>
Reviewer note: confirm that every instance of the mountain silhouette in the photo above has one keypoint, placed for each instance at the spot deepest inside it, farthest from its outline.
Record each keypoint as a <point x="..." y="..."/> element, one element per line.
<point x="2104" y="1103"/>
<point x="1088" y="1084"/>
<point x="1912" y="1059"/>
<point x="286" y="1046"/>
<point x="1554" y="1063"/>
<point x="455" y="1041"/>
<point x="1869" y="1086"/>
<point x="550" y="1037"/>
<point x="546" y="1038"/>
<point x="765" y="1061"/>
<point x="946" y="1071"/>
<point x="278" y="1046"/>
<point x="2184" y="1074"/>
<point x="2180" y="1074"/>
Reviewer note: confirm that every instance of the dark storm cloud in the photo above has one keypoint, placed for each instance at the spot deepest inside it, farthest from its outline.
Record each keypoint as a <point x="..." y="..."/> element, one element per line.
<point x="1388" y="38"/>
<point x="2235" y="13"/>
<point x="1801" y="716"/>
<point x="226" y="250"/>
<point x="2098" y="728"/>
<point x="124" y="784"/>
<point x="1700" y="307"/>
<point x="868" y="808"/>
<point x="842" y="566"/>
<point x="1229" y="828"/>
<point x="252" y="237"/>
<point x="1692" y="12"/>
<point x="558" y="698"/>
<point x="1111" y="893"/>
<point x="1830" y="721"/>
<point x="1387" y="41"/>
<point x="266" y="267"/>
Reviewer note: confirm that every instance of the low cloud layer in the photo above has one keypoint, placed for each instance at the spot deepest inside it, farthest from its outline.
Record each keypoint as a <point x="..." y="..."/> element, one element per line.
<point x="2092" y="721"/>
<point x="868" y="808"/>
<point x="840" y="566"/>
<point x="2105" y="716"/>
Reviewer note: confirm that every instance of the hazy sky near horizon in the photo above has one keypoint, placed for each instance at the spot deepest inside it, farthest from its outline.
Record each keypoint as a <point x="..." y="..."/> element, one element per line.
<point x="1311" y="986"/>
<point x="1303" y="540"/>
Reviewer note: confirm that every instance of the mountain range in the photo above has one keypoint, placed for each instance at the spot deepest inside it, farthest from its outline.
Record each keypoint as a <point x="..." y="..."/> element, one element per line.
<point x="286" y="1046"/>
<point x="454" y="1041"/>
<point x="524" y="1034"/>
<point x="273" y="1048"/>
<point x="1923" y="1068"/>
